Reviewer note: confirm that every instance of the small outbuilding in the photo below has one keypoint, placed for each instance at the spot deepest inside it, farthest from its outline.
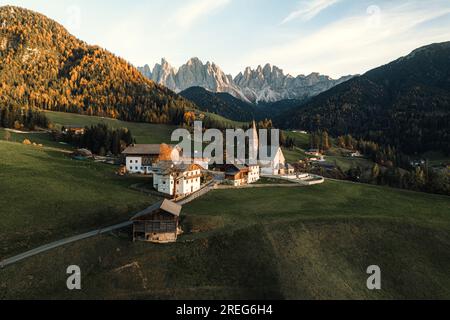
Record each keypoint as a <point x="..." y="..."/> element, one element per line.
<point x="82" y="154"/>
<point x="158" y="223"/>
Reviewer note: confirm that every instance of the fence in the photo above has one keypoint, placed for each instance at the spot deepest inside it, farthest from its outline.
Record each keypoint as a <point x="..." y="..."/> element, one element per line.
<point x="207" y="188"/>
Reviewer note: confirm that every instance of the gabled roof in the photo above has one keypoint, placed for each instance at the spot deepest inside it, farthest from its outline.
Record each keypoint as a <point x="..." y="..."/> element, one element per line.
<point x="235" y="168"/>
<point x="138" y="149"/>
<point x="289" y="166"/>
<point x="271" y="156"/>
<point x="146" y="149"/>
<point x="168" y="167"/>
<point x="273" y="152"/>
<point x="165" y="205"/>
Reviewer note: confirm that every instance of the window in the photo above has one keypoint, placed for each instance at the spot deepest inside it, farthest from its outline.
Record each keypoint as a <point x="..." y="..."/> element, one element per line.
<point x="131" y="161"/>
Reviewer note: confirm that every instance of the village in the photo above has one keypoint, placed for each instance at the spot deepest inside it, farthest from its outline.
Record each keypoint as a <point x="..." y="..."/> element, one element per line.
<point x="194" y="175"/>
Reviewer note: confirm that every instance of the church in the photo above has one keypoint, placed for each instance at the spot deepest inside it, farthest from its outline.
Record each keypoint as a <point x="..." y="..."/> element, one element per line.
<point x="274" y="163"/>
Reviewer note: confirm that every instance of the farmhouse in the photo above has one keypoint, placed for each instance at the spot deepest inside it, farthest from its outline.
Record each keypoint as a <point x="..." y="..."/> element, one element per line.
<point x="158" y="223"/>
<point x="239" y="174"/>
<point x="177" y="179"/>
<point x="140" y="158"/>
<point x="236" y="174"/>
<point x="253" y="173"/>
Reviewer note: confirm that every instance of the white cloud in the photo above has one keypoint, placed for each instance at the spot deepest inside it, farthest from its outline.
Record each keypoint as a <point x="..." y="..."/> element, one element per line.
<point x="195" y="10"/>
<point x="358" y="43"/>
<point x="309" y="9"/>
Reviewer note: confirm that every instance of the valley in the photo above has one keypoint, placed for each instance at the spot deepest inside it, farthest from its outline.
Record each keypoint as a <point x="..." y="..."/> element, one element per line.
<point x="360" y="175"/>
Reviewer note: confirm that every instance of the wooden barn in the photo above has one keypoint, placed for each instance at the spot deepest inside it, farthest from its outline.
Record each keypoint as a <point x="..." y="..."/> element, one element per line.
<point x="158" y="223"/>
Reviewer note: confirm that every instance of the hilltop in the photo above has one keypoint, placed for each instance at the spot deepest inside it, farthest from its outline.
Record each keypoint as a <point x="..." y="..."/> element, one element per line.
<point x="405" y="103"/>
<point x="43" y="66"/>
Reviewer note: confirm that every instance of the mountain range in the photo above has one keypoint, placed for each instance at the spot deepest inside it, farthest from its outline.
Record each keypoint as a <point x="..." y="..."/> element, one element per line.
<point x="260" y="85"/>
<point x="405" y="104"/>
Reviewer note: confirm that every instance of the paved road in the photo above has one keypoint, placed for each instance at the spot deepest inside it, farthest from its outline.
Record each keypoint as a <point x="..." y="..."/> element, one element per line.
<point x="60" y="243"/>
<point x="56" y="244"/>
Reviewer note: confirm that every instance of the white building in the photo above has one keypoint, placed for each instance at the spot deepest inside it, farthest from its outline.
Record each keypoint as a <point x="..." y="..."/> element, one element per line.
<point x="272" y="166"/>
<point x="182" y="179"/>
<point x="275" y="164"/>
<point x="196" y="158"/>
<point x="140" y="158"/>
<point x="253" y="173"/>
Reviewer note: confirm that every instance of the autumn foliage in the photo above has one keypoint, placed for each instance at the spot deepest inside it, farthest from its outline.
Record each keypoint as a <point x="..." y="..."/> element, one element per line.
<point x="43" y="66"/>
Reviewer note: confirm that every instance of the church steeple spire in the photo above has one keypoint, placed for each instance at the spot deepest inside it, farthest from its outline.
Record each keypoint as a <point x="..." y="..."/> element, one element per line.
<point x="254" y="144"/>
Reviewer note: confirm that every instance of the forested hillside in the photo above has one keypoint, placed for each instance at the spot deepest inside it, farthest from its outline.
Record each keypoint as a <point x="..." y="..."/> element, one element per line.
<point x="43" y="66"/>
<point x="405" y="104"/>
<point x="223" y="104"/>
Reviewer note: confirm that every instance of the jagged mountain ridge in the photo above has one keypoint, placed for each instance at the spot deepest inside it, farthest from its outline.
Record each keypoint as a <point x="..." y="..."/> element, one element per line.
<point x="263" y="84"/>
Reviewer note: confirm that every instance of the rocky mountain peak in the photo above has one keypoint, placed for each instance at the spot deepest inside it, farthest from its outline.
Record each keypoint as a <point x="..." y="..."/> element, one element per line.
<point x="266" y="83"/>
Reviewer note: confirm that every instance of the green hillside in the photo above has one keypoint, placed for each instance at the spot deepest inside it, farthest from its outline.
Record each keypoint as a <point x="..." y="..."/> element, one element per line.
<point x="43" y="138"/>
<point x="142" y="132"/>
<point x="43" y="66"/>
<point x="46" y="196"/>
<point x="245" y="244"/>
<point x="404" y="104"/>
<point x="223" y="104"/>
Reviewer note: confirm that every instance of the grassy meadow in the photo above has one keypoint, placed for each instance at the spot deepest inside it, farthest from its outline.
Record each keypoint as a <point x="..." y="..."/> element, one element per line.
<point x="263" y="243"/>
<point x="278" y="243"/>
<point x="142" y="132"/>
<point x="46" y="196"/>
<point x="43" y="138"/>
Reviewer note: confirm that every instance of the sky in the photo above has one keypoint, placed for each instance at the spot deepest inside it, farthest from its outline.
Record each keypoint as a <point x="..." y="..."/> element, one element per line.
<point x="332" y="37"/>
